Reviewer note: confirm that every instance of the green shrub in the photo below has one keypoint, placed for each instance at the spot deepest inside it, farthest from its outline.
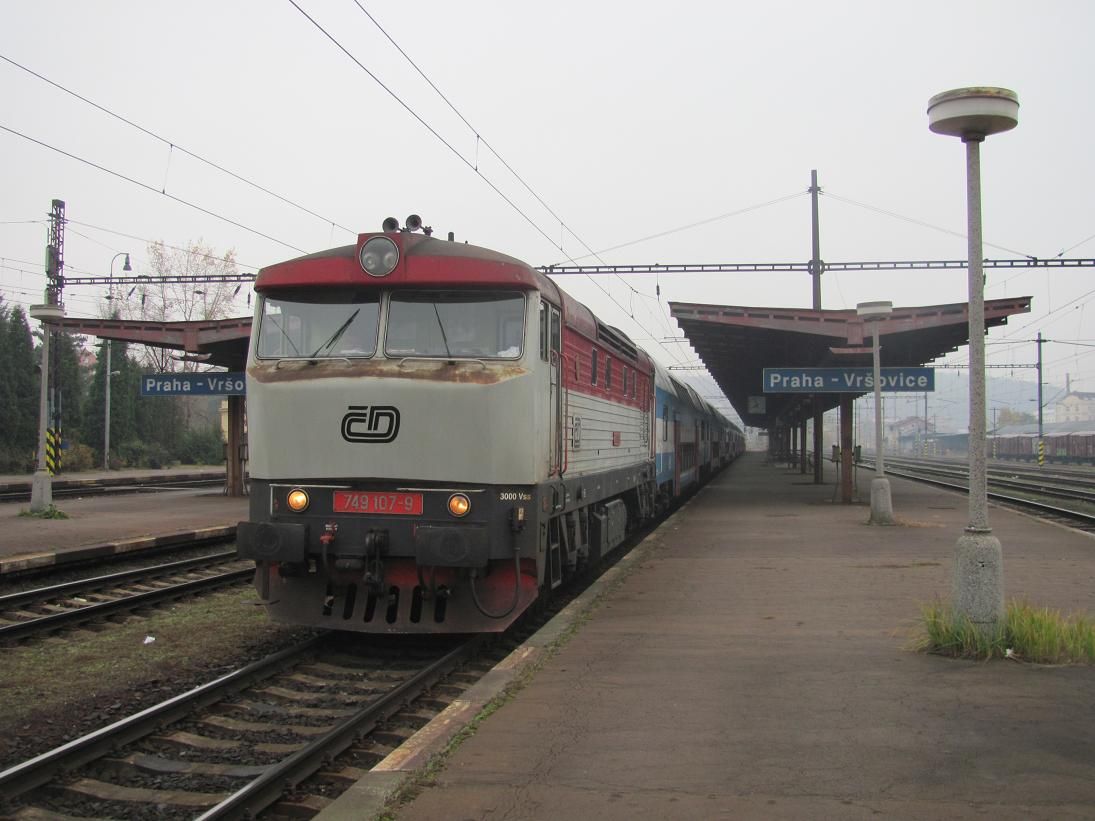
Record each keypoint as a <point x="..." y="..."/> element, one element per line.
<point x="203" y="446"/>
<point x="78" y="457"/>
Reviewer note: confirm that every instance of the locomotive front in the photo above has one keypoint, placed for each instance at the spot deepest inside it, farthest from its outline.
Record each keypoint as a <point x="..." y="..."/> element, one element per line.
<point x="394" y="387"/>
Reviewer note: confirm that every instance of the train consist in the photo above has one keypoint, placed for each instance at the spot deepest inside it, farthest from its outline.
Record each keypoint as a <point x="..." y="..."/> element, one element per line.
<point x="1062" y="448"/>
<point x="439" y="436"/>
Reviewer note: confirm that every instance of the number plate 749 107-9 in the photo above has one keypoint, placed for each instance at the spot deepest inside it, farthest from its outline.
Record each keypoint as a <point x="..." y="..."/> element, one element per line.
<point x="388" y="504"/>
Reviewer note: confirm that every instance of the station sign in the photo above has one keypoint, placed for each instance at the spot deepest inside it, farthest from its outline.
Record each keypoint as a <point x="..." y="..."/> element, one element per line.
<point x="847" y="380"/>
<point x="207" y="383"/>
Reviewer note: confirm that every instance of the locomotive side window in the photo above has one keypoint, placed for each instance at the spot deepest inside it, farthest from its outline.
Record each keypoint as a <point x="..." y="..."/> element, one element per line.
<point x="543" y="332"/>
<point x="665" y="422"/>
<point x="593" y="368"/>
<point x="306" y="325"/>
<point x="556" y="338"/>
<point x="482" y="325"/>
<point x="608" y="373"/>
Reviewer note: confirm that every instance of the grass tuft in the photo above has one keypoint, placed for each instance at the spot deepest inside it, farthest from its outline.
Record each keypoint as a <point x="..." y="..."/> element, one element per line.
<point x="1028" y="633"/>
<point x="51" y="512"/>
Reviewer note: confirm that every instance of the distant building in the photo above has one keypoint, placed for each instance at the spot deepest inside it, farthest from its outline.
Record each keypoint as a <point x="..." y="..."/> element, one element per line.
<point x="1076" y="407"/>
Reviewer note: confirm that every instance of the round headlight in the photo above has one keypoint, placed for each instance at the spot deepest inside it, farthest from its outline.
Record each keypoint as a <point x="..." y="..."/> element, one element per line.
<point x="379" y="256"/>
<point x="459" y="505"/>
<point x="297" y="500"/>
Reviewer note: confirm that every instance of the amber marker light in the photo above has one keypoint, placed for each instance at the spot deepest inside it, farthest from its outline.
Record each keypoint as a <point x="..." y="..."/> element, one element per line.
<point x="298" y="500"/>
<point x="459" y="505"/>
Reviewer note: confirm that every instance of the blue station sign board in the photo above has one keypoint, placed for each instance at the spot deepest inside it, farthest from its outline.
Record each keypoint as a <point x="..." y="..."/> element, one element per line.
<point x="847" y="380"/>
<point x="208" y="383"/>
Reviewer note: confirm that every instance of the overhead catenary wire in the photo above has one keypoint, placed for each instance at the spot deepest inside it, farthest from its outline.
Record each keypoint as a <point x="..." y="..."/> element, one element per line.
<point x="469" y="163"/>
<point x="151" y="188"/>
<point x="920" y="222"/>
<point x="212" y="257"/>
<point x="174" y="146"/>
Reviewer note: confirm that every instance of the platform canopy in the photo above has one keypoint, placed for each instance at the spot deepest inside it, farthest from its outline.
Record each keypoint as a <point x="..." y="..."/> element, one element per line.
<point x="737" y="343"/>
<point x="221" y="342"/>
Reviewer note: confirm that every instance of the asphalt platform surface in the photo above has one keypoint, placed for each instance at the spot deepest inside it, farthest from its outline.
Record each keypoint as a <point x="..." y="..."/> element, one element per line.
<point x="101" y="525"/>
<point x="752" y="661"/>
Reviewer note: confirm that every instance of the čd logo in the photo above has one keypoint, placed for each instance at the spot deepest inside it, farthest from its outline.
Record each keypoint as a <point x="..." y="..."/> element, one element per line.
<point x="376" y="423"/>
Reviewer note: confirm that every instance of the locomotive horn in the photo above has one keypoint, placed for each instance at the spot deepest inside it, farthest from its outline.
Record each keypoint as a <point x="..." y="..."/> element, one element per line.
<point x="414" y="222"/>
<point x="390" y="224"/>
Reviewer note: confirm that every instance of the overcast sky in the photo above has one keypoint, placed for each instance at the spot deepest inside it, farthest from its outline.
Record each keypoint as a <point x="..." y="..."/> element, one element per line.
<point x="627" y="120"/>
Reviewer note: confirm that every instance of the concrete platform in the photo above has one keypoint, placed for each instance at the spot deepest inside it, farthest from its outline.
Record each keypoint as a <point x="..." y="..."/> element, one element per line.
<point x="103" y="525"/>
<point x="750" y="661"/>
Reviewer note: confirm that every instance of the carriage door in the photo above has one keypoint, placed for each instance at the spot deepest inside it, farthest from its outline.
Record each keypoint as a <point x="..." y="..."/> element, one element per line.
<point x="676" y="455"/>
<point x="555" y="394"/>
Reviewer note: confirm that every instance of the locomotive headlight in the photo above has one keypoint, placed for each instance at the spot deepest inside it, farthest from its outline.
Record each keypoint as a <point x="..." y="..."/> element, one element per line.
<point x="297" y="500"/>
<point x="459" y="505"/>
<point x="379" y="256"/>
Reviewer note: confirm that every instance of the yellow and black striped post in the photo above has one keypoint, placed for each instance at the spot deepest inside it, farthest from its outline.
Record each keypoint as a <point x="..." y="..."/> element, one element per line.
<point x="1041" y="453"/>
<point x="53" y="451"/>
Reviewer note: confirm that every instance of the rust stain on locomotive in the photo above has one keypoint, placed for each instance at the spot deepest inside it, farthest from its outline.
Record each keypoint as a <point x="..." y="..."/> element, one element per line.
<point x="458" y="371"/>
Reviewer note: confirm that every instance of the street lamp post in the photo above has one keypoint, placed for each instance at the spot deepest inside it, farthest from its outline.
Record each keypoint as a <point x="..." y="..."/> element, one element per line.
<point x="106" y="342"/>
<point x="978" y="586"/>
<point x="881" y="500"/>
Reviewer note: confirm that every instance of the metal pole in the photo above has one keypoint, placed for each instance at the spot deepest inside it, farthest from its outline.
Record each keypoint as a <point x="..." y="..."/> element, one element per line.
<point x="1039" y="386"/>
<point x="879" y="470"/>
<point x="41" y="492"/>
<point x="106" y="415"/>
<point x="815" y="262"/>
<point x="979" y="515"/>
<point x="43" y="418"/>
<point x="815" y="273"/>
<point x="113" y="315"/>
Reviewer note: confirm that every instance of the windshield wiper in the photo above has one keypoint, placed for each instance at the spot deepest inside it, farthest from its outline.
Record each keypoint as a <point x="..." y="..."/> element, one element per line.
<point x="441" y="325"/>
<point x="335" y="336"/>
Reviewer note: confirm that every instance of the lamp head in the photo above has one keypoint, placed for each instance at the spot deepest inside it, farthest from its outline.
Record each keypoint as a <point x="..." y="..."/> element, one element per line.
<point x="870" y="311"/>
<point x="973" y="113"/>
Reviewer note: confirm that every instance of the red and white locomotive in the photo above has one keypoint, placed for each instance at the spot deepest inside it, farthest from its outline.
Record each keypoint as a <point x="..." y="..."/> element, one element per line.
<point x="438" y="436"/>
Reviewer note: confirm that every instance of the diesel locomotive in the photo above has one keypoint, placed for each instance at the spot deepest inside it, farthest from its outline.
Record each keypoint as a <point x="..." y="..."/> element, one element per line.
<point x="439" y="435"/>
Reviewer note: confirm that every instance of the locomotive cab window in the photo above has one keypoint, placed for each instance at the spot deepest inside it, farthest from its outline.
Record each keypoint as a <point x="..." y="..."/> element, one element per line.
<point x="454" y="324"/>
<point x="310" y="325"/>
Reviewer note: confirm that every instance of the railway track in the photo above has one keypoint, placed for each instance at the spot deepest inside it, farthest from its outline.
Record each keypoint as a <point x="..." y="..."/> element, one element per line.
<point x="42" y="610"/>
<point x="1073" y="506"/>
<point x="68" y="488"/>
<point x="1082" y="477"/>
<point x="264" y="736"/>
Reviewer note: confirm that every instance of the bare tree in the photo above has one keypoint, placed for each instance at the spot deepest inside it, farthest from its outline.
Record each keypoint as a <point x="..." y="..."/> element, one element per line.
<point x="172" y="301"/>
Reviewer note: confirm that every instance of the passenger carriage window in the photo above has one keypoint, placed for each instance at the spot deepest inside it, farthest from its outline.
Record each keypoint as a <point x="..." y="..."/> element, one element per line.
<point x="453" y="324"/>
<point x="593" y="368"/>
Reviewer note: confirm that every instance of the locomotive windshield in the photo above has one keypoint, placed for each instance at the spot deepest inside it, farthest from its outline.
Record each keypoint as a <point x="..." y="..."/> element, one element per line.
<point x="476" y="324"/>
<point x="331" y="324"/>
<point x="319" y="325"/>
